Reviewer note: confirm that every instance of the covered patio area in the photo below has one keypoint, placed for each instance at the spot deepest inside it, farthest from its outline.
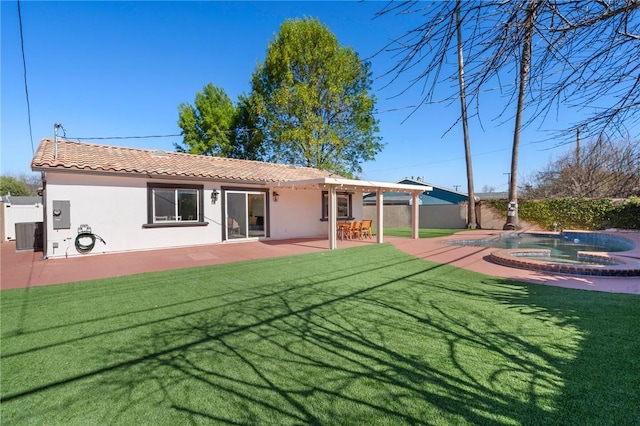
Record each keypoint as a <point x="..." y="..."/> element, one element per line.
<point x="334" y="185"/>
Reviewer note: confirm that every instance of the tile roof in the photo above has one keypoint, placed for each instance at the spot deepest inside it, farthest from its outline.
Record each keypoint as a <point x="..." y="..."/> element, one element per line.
<point x="81" y="156"/>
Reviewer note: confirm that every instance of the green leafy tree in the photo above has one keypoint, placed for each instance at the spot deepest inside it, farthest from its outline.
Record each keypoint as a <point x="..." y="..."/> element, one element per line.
<point x="311" y="103"/>
<point x="215" y="126"/>
<point x="13" y="186"/>
<point x="208" y="125"/>
<point x="248" y="143"/>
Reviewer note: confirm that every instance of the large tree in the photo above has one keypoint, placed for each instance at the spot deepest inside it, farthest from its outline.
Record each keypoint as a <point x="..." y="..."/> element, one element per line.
<point x="213" y="125"/>
<point x="13" y="186"/>
<point x="524" y="37"/>
<point x="208" y="126"/>
<point x="311" y="101"/>
<point x="600" y="41"/>
<point x="471" y="206"/>
<point x="425" y="51"/>
<point x="579" y="54"/>
<point x="599" y="169"/>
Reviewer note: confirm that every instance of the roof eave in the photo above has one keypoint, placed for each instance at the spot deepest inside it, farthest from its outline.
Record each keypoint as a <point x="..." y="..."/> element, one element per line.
<point x="351" y="183"/>
<point x="144" y="175"/>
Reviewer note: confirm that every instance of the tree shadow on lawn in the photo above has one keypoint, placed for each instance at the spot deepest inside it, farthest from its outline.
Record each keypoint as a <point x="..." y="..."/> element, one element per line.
<point x="436" y="345"/>
<point x="601" y="378"/>
<point x="380" y="357"/>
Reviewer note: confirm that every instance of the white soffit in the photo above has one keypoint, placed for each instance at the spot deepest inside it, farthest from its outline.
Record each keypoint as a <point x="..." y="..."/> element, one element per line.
<point x="349" y="184"/>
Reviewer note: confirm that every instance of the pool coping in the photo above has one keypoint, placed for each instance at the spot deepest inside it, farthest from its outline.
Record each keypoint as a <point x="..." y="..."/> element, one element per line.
<point x="616" y="266"/>
<point x="476" y="259"/>
<point x="619" y="264"/>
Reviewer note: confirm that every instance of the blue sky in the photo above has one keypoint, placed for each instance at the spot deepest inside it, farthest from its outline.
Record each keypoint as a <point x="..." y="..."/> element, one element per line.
<point x="105" y="69"/>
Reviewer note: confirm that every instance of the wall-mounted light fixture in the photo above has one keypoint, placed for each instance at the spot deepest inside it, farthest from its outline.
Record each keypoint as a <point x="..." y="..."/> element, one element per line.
<point x="276" y="197"/>
<point x="214" y="196"/>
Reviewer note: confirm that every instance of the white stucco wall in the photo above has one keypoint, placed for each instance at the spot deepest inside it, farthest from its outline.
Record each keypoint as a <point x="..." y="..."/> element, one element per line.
<point x="358" y="207"/>
<point x="298" y="213"/>
<point x="116" y="209"/>
<point x="14" y="213"/>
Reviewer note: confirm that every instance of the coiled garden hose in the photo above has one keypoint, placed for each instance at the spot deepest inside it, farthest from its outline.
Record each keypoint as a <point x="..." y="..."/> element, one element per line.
<point x="84" y="231"/>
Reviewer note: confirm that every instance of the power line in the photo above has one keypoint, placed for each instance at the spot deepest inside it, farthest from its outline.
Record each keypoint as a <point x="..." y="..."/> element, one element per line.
<point x="230" y="131"/>
<point x="125" y="137"/>
<point x="437" y="162"/>
<point x="26" y="87"/>
<point x="156" y="136"/>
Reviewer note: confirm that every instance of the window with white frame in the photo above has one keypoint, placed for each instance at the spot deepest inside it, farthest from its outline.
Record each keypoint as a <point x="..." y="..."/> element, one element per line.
<point x="169" y="203"/>
<point x="343" y="200"/>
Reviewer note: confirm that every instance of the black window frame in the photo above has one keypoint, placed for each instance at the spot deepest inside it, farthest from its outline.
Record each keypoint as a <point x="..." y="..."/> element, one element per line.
<point x="325" y="206"/>
<point x="176" y="223"/>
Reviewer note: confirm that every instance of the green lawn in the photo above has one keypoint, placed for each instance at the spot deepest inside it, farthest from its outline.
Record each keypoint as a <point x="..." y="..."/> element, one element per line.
<point x="362" y="336"/>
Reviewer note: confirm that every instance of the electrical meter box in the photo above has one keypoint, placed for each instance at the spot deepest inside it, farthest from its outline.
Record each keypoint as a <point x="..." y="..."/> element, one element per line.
<point x="61" y="214"/>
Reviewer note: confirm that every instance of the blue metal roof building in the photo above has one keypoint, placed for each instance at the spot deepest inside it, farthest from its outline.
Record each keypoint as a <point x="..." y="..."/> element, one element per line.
<point x="439" y="195"/>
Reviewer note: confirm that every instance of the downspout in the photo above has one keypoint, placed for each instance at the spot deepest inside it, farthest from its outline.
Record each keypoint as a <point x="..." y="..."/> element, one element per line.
<point x="45" y="241"/>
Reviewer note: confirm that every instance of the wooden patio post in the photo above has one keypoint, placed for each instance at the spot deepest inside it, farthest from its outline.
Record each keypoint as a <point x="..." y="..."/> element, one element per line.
<point x="415" y="215"/>
<point x="380" y="218"/>
<point x="333" y="213"/>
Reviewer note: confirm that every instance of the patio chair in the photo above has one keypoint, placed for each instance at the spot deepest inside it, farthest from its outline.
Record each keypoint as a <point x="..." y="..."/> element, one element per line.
<point x="365" y="228"/>
<point x="354" y="230"/>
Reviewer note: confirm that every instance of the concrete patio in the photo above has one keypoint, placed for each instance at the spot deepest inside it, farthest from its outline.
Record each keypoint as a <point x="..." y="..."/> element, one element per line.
<point x="26" y="269"/>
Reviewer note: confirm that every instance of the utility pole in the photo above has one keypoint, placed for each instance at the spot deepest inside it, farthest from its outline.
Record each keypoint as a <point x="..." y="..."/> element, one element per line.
<point x="456" y="187"/>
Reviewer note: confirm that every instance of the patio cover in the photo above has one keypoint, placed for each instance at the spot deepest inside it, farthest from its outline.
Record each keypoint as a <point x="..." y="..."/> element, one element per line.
<point x="332" y="185"/>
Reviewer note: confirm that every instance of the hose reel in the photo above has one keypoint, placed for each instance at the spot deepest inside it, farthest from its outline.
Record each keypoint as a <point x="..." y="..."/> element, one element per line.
<point x="84" y="233"/>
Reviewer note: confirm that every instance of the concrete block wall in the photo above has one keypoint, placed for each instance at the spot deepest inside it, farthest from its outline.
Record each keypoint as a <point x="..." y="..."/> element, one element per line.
<point x="441" y="216"/>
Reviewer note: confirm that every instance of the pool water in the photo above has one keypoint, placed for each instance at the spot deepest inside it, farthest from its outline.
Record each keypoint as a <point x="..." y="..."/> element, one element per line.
<point x="560" y="248"/>
<point x="564" y="247"/>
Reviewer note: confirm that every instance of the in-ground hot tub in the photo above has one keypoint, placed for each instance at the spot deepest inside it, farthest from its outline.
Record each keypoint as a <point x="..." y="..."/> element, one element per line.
<point x="570" y="252"/>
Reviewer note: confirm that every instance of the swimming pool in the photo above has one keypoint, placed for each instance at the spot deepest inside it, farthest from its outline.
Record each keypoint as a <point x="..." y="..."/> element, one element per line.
<point x="570" y="252"/>
<point x="565" y="245"/>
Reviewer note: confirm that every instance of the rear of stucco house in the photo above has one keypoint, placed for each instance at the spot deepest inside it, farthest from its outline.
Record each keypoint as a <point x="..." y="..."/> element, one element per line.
<point x="136" y="199"/>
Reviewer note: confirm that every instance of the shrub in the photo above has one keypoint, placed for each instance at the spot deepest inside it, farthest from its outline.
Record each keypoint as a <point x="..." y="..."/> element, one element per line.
<point x="626" y="215"/>
<point x="577" y="213"/>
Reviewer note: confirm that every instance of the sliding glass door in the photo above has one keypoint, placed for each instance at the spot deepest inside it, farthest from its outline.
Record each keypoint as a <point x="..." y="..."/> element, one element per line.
<point x="246" y="214"/>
